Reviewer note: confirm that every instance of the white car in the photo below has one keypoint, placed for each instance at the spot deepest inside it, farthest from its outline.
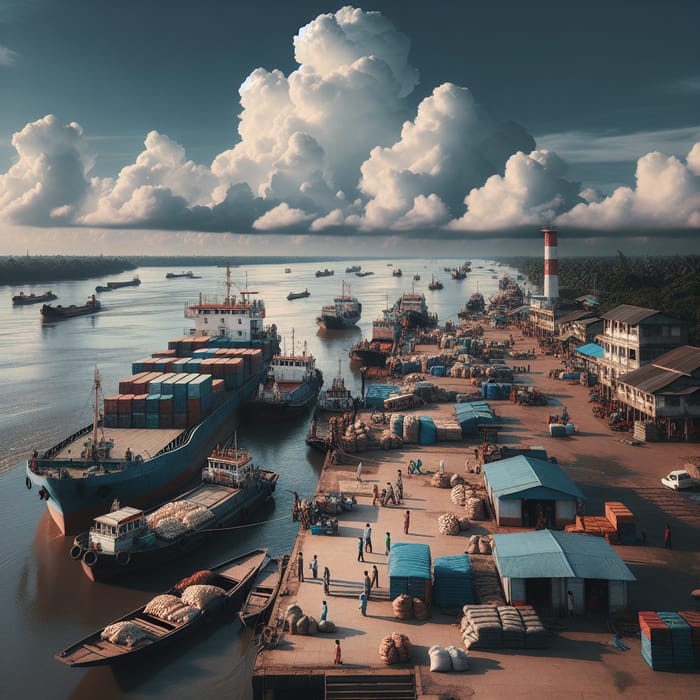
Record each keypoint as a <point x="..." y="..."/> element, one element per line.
<point x="679" y="479"/>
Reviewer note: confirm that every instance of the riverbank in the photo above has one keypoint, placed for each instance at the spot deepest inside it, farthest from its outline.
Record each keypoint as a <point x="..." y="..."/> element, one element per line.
<point x="581" y="661"/>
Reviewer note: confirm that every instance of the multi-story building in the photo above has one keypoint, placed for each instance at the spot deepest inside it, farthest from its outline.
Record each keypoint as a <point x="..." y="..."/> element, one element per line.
<point x="632" y="337"/>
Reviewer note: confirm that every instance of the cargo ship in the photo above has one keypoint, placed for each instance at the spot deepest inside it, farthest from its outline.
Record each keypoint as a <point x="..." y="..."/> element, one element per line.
<point x="412" y="311"/>
<point x="134" y="282"/>
<point x="58" y="313"/>
<point x="298" y="295"/>
<point x="344" y="312"/>
<point x="385" y="333"/>
<point x="176" y="275"/>
<point x="127" y="539"/>
<point x="22" y="298"/>
<point x="292" y="384"/>
<point x="325" y="272"/>
<point x="154" y="436"/>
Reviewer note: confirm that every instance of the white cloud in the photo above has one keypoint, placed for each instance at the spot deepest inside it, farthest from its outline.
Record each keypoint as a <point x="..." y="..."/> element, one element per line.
<point x="7" y="56"/>
<point x="667" y="194"/>
<point x="281" y="217"/>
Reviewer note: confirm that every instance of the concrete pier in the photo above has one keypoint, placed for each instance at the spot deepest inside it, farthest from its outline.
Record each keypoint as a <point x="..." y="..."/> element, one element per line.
<point x="581" y="662"/>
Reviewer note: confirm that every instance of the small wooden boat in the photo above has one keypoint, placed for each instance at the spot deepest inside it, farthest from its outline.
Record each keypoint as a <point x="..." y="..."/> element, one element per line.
<point x="164" y="620"/>
<point x="258" y="604"/>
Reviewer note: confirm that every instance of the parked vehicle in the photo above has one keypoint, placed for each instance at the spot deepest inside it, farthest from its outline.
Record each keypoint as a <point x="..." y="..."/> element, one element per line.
<point x="679" y="479"/>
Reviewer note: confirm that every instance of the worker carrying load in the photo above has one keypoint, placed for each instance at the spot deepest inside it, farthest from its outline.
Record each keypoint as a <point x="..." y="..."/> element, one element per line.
<point x="414" y="466"/>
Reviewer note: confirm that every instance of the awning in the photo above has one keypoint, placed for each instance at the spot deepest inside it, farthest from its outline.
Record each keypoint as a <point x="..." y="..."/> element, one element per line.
<point x="592" y="350"/>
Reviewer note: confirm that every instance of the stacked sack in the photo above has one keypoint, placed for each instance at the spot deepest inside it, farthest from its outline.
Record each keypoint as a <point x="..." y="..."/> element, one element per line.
<point x="458" y="495"/>
<point x="481" y="627"/>
<point x="403" y="607"/>
<point x="395" y="649"/>
<point x="173" y="519"/>
<point x="411" y="429"/>
<point x="171" y="608"/>
<point x="480" y="544"/>
<point x="440" y="481"/>
<point x="390" y="441"/>
<point x="445" y="660"/>
<point x="420" y="609"/>
<point x="490" y="627"/>
<point x="448" y="524"/>
<point x="513" y="627"/>
<point x="306" y="624"/>
<point x="475" y="502"/>
<point x="294" y="612"/>
<point x="126" y="633"/>
<point x="356" y="437"/>
<point x="536" y="636"/>
<point x="202" y="596"/>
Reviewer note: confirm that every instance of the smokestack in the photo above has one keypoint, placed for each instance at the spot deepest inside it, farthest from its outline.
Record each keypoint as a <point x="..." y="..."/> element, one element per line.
<point x="551" y="265"/>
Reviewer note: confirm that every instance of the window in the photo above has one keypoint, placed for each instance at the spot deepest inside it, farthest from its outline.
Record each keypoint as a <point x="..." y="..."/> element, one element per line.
<point x="633" y="354"/>
<point x="676" y="331"/>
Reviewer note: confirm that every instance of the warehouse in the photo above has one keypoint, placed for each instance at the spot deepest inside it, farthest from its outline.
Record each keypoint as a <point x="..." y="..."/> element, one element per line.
<point x="540" y="568"/>
<point x="533" y="493"/>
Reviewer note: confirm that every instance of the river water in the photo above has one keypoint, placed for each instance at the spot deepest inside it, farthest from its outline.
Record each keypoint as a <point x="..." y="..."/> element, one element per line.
<point x="46" y="373"/>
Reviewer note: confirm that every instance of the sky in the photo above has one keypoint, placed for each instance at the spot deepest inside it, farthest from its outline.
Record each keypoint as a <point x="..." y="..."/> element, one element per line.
<point x="171" y="127"/>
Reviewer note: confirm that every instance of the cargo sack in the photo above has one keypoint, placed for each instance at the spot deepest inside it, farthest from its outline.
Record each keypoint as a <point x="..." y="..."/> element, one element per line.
<point x="202" y="596"/>
<point x="459" y="659"/>
<point x="439" y="660"/>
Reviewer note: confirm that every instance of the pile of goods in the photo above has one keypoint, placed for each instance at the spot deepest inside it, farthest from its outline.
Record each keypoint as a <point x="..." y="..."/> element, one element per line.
<point x="456" y="479"/>
<point x="445" y="660"/>
<point x="420" y="609"/>
<point x="411" y="429"/>
<point x="390" y="441"/>
<point x="306" y="624"/>
<point x="127" y="633"/>
<point x="440" y="481"/>
<point x="201" y="596"/>
<point x="403" y="607"/>
<point x="473" y="498"/>
<point x="198" y="578"/>
<point x="173" y="519"/>
<point x="480" y="544"/>
<point x="448" y="430"/>
<point x="171" y="608"/>
<point x="448" y="524"/>
<point x="487" y="585"/>
<point x="454" y="581"/>
<point x="395" y="649"/>
<point x="356" y="437"/>
<point x="492" y="627"/>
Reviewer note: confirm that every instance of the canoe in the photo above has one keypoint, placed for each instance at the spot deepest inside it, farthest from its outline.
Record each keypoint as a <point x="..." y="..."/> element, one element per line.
<point x="165" y="618"/>
<point x="258" y="604"/>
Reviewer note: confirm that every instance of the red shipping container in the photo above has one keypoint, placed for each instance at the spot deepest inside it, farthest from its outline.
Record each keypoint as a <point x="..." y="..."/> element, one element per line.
<point x="194" y="405"/>
<point x="164" y="353"/>
<point x="207" y="366"/>
<point x="125" y="385"/>
<point x="200" y="341"/>
<point x="140" y="386"/>
<point x="124" y="403"/>
<point x="193" y="419"/>
<point x="217" y="385"/>
<point x="180" y="420"/>
<point x="166" y="406"/>
<point x="110" y="404"/>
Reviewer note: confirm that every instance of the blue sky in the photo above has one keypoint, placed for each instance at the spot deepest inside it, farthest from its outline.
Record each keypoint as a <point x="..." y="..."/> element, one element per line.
<point x="185" y="124"/>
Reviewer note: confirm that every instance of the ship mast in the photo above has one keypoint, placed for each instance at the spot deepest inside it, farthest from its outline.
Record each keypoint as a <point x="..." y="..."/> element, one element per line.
<point x="96" y="410"/>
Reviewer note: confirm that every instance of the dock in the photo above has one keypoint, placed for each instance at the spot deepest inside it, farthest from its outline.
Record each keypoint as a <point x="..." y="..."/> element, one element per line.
<point x="581" y="660"/>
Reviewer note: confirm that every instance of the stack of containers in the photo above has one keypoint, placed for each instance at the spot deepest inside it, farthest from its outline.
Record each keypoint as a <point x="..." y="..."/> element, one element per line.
<point x="496" y="391"/>
<point x="180" y="400"/>
<point x="622" y="519"/>
<point x="692" y="617"/>
<point x="110" y="405"/>
<point x="199" y="398"/>
<point x="138" y="411"/>
<point x="396" y="423"/>
<point x="164" y="353"/>
<point x="153" y="411"/>
<point x="124" y="410"/>
<point x="453" y="584"/>
<point x="681" y="639"/>
<point x="448" y="430"/>
<point x="657" y="647"/>
<point x="377" y="393"/>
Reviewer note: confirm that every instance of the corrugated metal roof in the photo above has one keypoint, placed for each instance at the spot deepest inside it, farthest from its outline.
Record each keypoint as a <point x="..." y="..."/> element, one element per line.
<point x="685" y="359"/>
<point x="629" y="314"/>
<point x="664" y="370"/>
<point x="591" y="350"/>
<point x="510" y="478"/>
<point x="553" y="554"/>
<point x="576" y="316"/>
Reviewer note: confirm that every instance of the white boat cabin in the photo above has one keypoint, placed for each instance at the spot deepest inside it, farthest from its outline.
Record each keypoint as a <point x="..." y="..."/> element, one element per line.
<point x="115" y="531"/>
<point x="229" y="467"/>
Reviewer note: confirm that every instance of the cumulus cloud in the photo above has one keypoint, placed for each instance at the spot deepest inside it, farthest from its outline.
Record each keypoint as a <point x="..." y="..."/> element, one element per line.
<point x="338" y="147"/>
<point x="7" y="56"/>
<point x="666" y="194"/>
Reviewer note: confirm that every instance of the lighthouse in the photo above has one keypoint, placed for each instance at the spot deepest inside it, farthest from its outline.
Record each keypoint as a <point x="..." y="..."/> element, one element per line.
<point x="551" y="266"/>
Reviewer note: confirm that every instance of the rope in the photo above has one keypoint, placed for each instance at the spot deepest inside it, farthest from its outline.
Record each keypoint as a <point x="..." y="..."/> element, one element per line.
<point x="240" y="527"/>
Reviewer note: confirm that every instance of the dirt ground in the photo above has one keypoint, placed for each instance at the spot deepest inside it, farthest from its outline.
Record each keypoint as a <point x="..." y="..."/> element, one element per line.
<point x="582" y="662"/>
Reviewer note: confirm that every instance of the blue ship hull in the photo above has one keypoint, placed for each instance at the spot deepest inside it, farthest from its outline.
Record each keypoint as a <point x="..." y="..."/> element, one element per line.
<point x="74" y="502"/>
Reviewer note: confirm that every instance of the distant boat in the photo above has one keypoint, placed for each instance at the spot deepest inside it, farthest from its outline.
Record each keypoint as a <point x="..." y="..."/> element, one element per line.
<point x="353" y="268"/>
<point x="287" y="270"/>
<point x="103" y="288"/>
<point x="166" y="619"/>
<point x="22" y="298"/>
<point x="58" y="313"/>
<point x="363" y="274"/>
<point x="298" y="295"/>
<point x="397" y="272"/>
<point x="435" y="284"/>
<point x="412" y="311"/>
<point x="344" y="312"/>
<point x="325" y="272"/>
<point x="416" y="277"/>
<point x="375" y="351"/>
<point x="336" y="399"/>
<point x="134" y="282"/>
<point x="458" y="273"/>
<point x="175" y="275"/>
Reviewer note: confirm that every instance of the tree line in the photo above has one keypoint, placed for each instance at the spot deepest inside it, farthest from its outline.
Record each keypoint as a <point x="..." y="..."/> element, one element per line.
<point x="55" y="268"/>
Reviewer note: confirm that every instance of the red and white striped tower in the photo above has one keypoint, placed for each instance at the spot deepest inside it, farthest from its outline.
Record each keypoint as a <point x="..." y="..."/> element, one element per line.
<point x="551" y="265"/>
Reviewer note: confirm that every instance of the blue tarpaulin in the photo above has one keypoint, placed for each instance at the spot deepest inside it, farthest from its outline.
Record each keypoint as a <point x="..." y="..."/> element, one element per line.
<point x="453" y="581"/>
<point x="409" y="569"/>
<point x="592" y="350"/>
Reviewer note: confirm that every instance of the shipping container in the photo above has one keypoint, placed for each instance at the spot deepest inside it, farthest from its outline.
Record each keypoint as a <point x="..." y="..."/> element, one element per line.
<point x="138" y="405"/>
<point x="138" y="420"/>
<point x="155" y="386"/>
<point x="165" y="405"/>
<point x="124" y="404"/>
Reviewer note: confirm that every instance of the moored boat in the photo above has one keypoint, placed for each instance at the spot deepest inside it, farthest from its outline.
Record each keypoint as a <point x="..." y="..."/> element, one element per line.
<point x="134" y="282"/>
<point x="434" y="284"/>
<point x="298" y="295"/>
<point x="292" y="384"/>
<point x="103" y="288"/>
<point x="344" y="312"/>
<point x="412" y="311"/>
<point x="210" y="595"/>
<point x="364" y="274"/>
<point x="325" y="272"/>
<point x="58" y="313"/>
<point x="337" y="398"/>
<point x="155" y="434"/>
<point x="22" y="298"/>
<point x="353" y="268"/>
<point x="258" y="605"/>
<point x="128" y="539"/>
<point x="385" y="333"/>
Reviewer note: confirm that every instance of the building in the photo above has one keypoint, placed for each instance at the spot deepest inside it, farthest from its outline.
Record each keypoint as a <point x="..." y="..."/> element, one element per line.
<point x="530" y="492"/>
<point x="578" y="328"/>
<point x="541" y="567"/>
<point x="632" y="337"/>
<point x="666" y="392"/>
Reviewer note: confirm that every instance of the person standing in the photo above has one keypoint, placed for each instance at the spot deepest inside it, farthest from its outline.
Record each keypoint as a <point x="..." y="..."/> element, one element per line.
<point x="390" y="496"/>
<point x="368" y="538"/>
<point x="314" y="567"/>
<point x="338" y="653"/>
<point x="387" y="543"/>
<point x="570" y="603"/>
<point x="300" y="566"/>
<point x="326" y="581"/>
<point x="363" y="604"/>
<point x="375" y="576"/>
<point x="360" y="547"/>
<point x="359" y="472"/>
<point x="406" y="521"/>
<point x="324" y="611"/>
<point x="399" y="485"/>
<point x="366" y="585"/>
<point x="667" y="537"/>
<point x="375" y="494"/>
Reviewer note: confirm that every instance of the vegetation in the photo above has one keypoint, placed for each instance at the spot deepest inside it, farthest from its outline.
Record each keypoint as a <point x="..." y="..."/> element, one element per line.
<point x="668" y="284"/>
<point x="53" y="268"/>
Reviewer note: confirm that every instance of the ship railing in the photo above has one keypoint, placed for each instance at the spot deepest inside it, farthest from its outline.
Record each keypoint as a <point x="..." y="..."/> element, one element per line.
<point x="49" y="454"/>
<point x="180" y="440"/>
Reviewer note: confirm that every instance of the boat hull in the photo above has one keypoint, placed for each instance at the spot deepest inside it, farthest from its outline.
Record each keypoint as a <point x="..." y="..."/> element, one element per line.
<point x="293" y="403"/>
<point x="369" y="358"/>
<point x="333" y="323"/>
<point x="73" y="503"/>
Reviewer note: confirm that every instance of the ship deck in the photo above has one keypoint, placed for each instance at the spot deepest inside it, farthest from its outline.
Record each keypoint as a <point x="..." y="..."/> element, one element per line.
<point x="141" y="441"/>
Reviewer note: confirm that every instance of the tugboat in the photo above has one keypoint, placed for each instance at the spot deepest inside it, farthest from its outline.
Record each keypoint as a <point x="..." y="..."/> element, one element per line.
<point x="292" y="384"/>
<point x="475" y="305"/>
<point x="298" y="295"/>
<point x="127" y="539"/>
<point x="338" y="398"/>
<point x="22" y="298"/>
<point x="344" y="312"/>
<point x="58" y="313"/>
